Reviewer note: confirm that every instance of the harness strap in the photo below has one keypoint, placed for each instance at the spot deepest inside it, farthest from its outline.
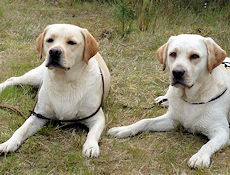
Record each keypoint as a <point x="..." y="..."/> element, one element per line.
<point x="226" y="64"/>
<point x="76" y="120"/>
<point x="208" y="101"/>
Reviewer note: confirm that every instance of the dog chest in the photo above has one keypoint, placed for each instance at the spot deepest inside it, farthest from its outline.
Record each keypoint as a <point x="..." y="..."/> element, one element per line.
<point x="194" y="118"/>
<point x="70" y="101"/>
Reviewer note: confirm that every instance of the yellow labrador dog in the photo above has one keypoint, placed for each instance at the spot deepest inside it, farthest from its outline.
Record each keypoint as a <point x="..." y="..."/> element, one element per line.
<point x="199" y="95"/>
<point x="75" y="80"/>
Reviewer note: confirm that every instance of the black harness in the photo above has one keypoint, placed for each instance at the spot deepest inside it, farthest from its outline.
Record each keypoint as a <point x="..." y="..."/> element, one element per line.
<point x="226" y="65"/>
<point x="201" y="103"/>
<point x="74" y="120"/>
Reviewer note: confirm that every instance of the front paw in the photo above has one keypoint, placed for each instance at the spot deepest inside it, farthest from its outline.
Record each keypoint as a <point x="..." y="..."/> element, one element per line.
<point x="2" y="87"/>
<point x="120" y="132"/>
<point x="162" y="100"/>
<point x="199" y="160"/>
<point x="9" y="146"/>
<point x="91" y="149"/>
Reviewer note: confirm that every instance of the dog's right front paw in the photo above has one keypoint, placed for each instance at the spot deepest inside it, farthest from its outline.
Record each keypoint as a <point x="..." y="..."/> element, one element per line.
<point x="9" y="146"/>
<point x="120" y="132"/>
<point x="91" y="149"/>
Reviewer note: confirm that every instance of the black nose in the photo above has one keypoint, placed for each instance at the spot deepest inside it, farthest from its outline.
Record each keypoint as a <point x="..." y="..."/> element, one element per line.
<point x="55" y="52"/>
<point x="178" y="72"/>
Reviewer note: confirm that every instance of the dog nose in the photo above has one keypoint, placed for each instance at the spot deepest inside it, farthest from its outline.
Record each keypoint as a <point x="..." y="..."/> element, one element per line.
<point x="178" y="72"/>
<point x="55" y="51"/>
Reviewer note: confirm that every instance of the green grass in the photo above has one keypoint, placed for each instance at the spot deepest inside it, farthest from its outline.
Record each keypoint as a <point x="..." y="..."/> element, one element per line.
<point x="136" y="79"/>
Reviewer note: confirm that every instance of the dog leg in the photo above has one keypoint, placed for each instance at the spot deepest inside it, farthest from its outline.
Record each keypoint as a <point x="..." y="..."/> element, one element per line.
<point x="96" y="126"/>
<point x="30" y="127"/>
<point x="217" y="140"/>
<point x="161" y="123"/>
<point x="33" y="77"/>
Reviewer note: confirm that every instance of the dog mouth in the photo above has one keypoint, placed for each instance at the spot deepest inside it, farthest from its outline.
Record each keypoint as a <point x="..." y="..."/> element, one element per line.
<point x="176" y="82"/>
<point x="54" y="59"/>
<point x="180" y="83"/>
<point x="55" y="64"/>
<point x="179" y="78"/>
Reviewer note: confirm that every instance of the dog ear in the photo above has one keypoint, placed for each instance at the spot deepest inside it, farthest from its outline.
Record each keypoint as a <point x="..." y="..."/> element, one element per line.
<point x="162" y="54"/>
<point x="91" y="45"/>
<point x="216" y="54"/>
<point x="39" y="42"/>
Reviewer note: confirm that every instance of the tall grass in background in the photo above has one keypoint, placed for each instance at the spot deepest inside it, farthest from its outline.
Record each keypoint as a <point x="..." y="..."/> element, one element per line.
<point x="148" y="13"/>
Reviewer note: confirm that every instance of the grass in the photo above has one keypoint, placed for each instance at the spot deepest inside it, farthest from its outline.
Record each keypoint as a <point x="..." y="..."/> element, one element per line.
<point x="137" y="78"/>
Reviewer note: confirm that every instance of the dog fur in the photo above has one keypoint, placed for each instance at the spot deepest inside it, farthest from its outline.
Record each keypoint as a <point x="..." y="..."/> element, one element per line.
<point x="198" y="95"/>
<point x="71" y="84"/>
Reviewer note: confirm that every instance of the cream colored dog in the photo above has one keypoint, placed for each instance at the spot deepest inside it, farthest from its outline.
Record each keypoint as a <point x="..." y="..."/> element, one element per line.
<point x="199" y="95"/>
<point x="72" y="85"/>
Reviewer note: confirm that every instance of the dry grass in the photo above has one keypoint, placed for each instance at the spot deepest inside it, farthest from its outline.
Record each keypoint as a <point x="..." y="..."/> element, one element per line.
<point x="137" y="79"/>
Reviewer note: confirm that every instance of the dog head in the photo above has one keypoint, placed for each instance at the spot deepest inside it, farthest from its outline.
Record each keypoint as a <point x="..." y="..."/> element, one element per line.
<point x="64" y="45"/>
<point x="189" y="57"/>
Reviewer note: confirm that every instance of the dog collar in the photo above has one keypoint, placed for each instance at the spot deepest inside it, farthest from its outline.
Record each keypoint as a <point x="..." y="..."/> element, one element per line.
<point x="76" y="120"/>
<point x="201" y="103"/>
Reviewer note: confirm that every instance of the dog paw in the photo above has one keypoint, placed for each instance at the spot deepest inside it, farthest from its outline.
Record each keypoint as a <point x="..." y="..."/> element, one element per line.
<point x="2" y="87"/>
<point x="120" y="132"/>
<point x="162" y="100"/>
<point x="91" y="149"/>
<point x="199" y="161"/>
<point x="9" y="146"/>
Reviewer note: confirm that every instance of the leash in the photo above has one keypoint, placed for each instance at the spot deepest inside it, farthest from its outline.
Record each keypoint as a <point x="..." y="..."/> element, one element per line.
<point x="76" y="120"/>
<point x="164" y="100"/>
<point x="13" y="109"/>
<point x="159" y="103"/>
<point x="226" y="64"/>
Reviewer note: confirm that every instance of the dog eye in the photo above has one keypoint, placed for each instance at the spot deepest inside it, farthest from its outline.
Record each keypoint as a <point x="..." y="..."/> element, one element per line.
<point x="71" y="42"/>
<point x="173" y="54"/>
<point x="194" y="56"/>
<point x="50" y="40"/>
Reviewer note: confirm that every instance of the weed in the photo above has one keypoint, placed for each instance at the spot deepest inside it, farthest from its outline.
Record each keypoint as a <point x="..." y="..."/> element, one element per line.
<point x="125" y="14"/>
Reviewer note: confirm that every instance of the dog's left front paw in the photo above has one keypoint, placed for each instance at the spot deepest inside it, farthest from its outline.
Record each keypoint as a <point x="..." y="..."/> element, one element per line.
<point x="162" y="100"/>
<point x="91" y="149"/>
<point x="199" y="160"/>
